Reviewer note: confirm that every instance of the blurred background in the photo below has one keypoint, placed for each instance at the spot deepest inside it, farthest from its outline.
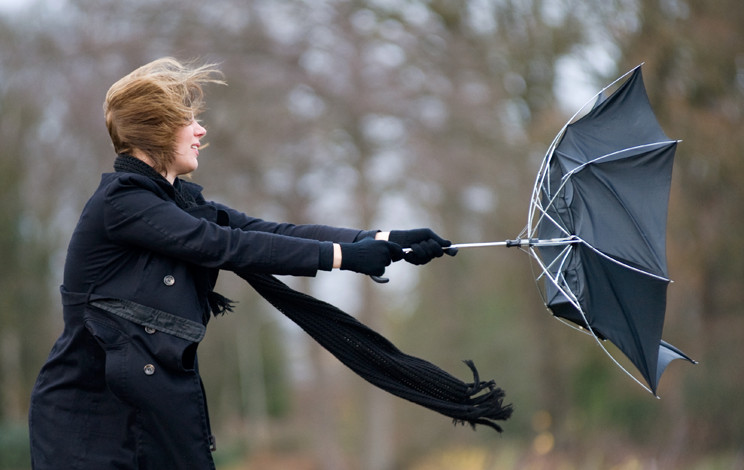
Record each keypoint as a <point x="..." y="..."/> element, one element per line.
<point x="394" y="114"/>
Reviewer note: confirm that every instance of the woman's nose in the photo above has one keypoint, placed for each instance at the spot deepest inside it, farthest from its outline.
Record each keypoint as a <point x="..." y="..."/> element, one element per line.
<point x="200" y="131"/>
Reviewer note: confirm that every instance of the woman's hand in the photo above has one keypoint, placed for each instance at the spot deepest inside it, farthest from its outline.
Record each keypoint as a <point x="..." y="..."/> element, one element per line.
<point x="367" y="256"/>
<point x="425" y="245"/>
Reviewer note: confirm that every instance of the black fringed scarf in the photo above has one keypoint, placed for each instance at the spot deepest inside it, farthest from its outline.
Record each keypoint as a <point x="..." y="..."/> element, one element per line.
<point x="363" y="350"/>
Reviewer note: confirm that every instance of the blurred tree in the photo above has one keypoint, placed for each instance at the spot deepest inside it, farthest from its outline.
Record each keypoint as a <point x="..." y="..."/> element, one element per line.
<point x="25" y="253"/>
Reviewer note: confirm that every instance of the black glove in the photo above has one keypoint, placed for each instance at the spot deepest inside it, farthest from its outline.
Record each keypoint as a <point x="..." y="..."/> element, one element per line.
<point x="369" y="256"/>
<point x="425" y="245"/>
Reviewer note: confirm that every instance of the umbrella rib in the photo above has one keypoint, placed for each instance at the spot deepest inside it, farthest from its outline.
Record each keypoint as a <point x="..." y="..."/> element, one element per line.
<point x="574" y="301"/>
<point x="620" y="365"/>
<point x="536" y="202"/>
<point x="544" y="213"/>
<point x="593" y="98"/>
<point x="619" y="263"/>
<point x="563" y="254"/>
<point x="532" y="254"/>
<point x="625" y="265"/>
<point x="538" y="180"/>
<point x="642" y="367"/>
<point x="561" y="284"/>
<point x="565" y="291"/>
<point x="597" y="160"/>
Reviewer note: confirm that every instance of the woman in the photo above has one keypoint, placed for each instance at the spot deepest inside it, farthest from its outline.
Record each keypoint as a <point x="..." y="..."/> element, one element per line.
<point x="121" y="386"/>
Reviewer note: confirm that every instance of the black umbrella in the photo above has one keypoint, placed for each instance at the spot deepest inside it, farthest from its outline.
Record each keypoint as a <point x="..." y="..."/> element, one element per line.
<point x="597" y="226"/>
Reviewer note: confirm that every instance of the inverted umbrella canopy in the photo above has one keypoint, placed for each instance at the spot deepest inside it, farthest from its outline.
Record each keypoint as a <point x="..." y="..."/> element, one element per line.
<point x="603" y="189"/>
<point x="597" y="226"/>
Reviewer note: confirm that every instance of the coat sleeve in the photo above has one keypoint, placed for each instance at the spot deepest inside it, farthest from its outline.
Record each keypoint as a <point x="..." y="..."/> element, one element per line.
<point x="135" y="215"/>
<point x="314" y="232"/>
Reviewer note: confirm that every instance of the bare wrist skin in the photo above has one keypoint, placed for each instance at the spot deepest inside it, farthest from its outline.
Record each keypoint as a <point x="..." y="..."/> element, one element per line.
<point x="382" y="236"/>
<point x="336" y="256"/>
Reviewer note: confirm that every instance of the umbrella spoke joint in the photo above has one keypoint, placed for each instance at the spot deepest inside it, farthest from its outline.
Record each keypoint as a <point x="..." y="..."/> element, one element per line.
<point x="520" y="242"/>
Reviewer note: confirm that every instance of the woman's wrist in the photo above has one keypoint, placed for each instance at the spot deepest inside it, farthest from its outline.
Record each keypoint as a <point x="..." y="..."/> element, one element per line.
<point x="382" y="236"/>
<point x="336" y="256"/>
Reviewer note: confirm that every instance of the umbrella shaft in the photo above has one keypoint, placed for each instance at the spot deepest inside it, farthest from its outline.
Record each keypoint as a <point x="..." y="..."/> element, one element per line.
<point x="518" y="242"/>
<point x="476" y="245"/>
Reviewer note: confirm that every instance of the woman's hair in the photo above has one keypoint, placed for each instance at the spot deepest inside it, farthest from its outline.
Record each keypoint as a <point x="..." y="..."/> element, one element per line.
<point x="145" y="109"/>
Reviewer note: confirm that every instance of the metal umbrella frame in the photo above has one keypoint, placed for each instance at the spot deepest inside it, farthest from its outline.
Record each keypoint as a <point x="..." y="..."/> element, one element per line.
<point x="542" y="202"/>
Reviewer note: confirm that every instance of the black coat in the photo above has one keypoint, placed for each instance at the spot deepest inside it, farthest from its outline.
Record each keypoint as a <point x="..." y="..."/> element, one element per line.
<point x="121" y="388"/>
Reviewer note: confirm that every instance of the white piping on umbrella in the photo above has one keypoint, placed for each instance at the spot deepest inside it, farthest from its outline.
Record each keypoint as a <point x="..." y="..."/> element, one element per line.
<point x="619" y="263"/>
<point x="596" y="160"/>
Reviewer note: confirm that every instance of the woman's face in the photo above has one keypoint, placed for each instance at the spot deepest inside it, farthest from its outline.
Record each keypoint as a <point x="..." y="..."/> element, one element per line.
<point x="187" y="149"/>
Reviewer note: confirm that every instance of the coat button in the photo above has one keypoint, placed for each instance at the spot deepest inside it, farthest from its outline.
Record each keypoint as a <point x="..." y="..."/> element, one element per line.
<point x="149" y="369"/>
<point x="149" y="330"/>
<point x="169" y="280"/>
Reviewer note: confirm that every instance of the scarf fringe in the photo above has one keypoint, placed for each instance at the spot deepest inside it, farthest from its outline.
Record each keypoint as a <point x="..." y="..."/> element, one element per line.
<point x="220" y="304"/>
